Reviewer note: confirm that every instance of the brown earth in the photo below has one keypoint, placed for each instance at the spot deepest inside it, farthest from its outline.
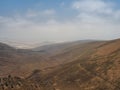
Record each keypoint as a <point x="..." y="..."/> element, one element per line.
<point x="93" y="65"/>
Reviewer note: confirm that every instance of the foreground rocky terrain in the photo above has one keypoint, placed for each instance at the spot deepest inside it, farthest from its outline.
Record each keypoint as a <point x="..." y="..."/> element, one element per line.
<point x="89" y="65"/>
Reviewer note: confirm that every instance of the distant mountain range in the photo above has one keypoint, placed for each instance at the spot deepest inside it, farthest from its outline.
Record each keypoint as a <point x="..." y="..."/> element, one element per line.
<point x="24" y="45"/>
<point x="78" y="65"/>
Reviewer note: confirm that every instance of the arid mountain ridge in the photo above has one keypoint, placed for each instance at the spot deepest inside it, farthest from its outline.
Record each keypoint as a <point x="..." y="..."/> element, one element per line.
<point x="80" y="65"/>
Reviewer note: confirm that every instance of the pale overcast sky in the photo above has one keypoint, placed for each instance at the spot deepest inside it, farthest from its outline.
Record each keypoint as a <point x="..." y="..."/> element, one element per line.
<point x="59" y="20"/>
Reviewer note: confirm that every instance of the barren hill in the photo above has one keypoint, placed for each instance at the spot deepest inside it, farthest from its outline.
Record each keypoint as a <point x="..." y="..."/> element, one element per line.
<point x="91" y="65"/>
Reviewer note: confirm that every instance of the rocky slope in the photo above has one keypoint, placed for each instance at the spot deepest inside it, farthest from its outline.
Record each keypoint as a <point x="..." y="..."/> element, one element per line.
<point x="89" y="66"/>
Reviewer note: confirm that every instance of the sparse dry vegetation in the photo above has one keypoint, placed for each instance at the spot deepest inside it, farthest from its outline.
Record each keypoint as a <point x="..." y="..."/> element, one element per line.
<point x="79" y="66"/>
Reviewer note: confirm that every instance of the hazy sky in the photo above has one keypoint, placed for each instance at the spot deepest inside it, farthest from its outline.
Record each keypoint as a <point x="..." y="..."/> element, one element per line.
<point x="59" y="20"/>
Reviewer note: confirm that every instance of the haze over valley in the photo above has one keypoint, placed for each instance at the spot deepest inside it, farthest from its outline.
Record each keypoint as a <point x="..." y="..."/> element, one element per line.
<point x="59" y="45"/>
